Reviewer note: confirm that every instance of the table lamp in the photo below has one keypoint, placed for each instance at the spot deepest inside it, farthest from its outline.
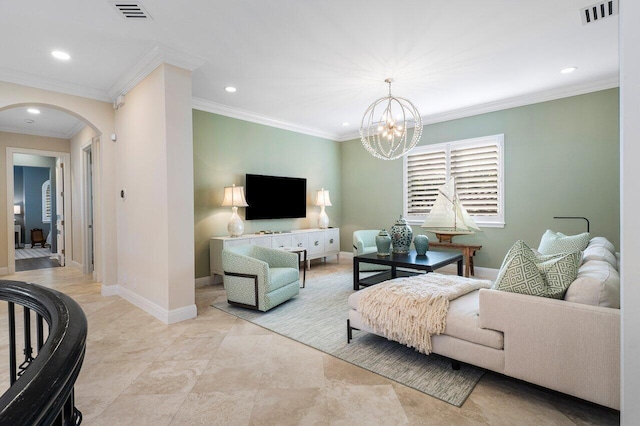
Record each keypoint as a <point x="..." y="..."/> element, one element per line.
<point x="322" y="200"/>
<point x="234" y="197"/>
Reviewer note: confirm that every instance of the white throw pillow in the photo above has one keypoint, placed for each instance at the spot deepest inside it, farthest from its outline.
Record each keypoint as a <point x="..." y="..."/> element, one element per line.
<point x="557" y="242"/>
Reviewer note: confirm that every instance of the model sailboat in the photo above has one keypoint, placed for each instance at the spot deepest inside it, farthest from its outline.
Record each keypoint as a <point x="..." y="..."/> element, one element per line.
<point x="448" y="216"/>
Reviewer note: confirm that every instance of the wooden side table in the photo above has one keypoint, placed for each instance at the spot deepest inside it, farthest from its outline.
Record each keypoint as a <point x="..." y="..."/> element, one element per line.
<point x="468" y="251"/>
<point x="302" y="257"/>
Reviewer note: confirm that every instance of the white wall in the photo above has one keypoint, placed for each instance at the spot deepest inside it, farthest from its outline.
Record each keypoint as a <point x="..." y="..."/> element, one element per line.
<point x="155" y="219"/>
<point x="630" y="206"/>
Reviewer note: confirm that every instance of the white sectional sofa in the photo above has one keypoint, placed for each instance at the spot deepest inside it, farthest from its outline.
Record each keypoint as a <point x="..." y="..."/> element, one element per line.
<point x="570" y="345"/>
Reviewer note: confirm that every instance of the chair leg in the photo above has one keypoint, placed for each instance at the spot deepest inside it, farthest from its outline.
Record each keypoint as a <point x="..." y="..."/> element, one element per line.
<point x="455" y="365"/>
<point x="349" y="336"/>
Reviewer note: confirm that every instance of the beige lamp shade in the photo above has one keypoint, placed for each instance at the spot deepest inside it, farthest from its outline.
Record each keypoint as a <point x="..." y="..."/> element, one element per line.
<point x="16" y="209"/>
<point x="234" y="197"/>
<point x="322" y="198"/>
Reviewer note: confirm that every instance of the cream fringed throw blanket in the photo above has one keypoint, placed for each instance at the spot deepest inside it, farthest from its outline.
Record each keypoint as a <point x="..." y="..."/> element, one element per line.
<point x="411" y="310"/>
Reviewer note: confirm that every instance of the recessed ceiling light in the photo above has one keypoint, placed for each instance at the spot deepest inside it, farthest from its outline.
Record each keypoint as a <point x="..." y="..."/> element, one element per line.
<point x="230" y="89"/>
<point x="33" y="111"/>
<point x="58" y="54"/>
<point x="345" y="124"/>
<point x="568" y="70"/>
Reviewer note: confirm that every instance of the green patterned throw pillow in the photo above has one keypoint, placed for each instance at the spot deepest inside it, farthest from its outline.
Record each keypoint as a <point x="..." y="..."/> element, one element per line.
<point x="525" y="272"/>
<point x="557" y="242"/>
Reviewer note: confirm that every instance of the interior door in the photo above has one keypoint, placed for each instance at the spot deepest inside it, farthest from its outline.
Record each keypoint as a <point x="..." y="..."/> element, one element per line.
<point x="60" y="209"/>
<point x="89" y="207"/>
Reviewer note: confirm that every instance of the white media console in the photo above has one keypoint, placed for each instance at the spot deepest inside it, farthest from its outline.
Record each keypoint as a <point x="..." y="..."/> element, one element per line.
<point x="318" y="242"/>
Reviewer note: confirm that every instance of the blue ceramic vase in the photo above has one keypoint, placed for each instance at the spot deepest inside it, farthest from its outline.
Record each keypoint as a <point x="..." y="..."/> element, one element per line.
<point x="383" y="243"/>
<point x="421" y="242"/>
<point x="401" y="236"/>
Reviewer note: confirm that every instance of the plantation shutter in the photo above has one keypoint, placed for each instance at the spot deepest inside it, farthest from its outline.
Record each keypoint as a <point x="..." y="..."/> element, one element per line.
<point x="476" y="172"/>
<point x="477" y="166"/>
<point x="425" y="173"/>
<point x="46" y="201"/>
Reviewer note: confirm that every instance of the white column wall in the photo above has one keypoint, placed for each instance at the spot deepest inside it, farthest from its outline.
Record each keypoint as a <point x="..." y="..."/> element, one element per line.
<point x="630" y="206"/>
<point x="155" y="219"/>
<point x="141" y="173"/>
<point x="179" y="148"/>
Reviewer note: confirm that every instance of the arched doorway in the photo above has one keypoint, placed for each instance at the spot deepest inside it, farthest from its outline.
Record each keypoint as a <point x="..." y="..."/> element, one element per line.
<point x="72" y="219"/>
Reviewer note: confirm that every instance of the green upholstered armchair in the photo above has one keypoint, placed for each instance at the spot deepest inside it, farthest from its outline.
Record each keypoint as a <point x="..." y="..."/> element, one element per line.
<point x="364" y="242"/>
<point x="258" y="277"/>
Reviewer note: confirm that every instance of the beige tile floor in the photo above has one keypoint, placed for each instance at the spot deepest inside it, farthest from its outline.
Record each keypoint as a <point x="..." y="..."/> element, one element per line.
<point x="219" y="369"/>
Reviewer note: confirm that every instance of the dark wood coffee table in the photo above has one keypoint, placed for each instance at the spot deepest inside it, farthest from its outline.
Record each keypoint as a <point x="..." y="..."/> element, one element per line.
<point x="433" y="260"/>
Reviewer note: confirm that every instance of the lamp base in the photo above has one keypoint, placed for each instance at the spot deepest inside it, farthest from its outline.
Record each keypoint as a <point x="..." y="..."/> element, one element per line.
<point x="235" y="227"/>
<point x="323" y="219"/>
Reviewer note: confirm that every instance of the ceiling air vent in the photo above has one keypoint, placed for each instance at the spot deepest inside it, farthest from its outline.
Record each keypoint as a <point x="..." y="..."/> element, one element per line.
<point x="131" y="10"/>
<point x="599" y="11"/>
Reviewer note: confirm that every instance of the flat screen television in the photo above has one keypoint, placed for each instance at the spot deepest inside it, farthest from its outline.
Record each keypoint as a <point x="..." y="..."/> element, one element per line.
<point x="275" y="197"/>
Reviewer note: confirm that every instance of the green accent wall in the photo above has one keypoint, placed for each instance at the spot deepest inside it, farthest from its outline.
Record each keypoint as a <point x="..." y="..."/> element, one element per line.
<point x="561" y="159"/>
<point x="225" y="149"/>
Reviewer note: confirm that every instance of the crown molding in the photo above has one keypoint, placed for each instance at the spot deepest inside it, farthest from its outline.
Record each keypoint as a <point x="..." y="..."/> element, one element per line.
<point x="35" y="133"/>
<point x="518" y="101"/>
<point x="156" y="55"/>
<point x="45" y="83"/>
<point x="75" y="129"/>
<point x="227" y="111"/>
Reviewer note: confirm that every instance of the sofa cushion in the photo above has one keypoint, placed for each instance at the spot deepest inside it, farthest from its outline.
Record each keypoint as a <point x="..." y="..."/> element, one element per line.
<point x="525" y="272"/>
<point x="602" y="242"/>
<point x="279" y="277"/>
<point x="598" y="284"/>
<point x="599" y="252"/>
<point x="557" y="242"/>
<point x="462" y="320"/>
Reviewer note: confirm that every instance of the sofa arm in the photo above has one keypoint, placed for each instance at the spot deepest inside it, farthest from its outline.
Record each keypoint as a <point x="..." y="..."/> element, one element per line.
<point x="570" y="347"/>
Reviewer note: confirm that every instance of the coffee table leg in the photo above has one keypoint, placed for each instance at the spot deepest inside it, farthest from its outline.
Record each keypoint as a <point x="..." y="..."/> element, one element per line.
<point x="356" y="274"/>
<point x="394" y="271"/>
<point x="460" y="267"/>
<point x="304" y="269"/>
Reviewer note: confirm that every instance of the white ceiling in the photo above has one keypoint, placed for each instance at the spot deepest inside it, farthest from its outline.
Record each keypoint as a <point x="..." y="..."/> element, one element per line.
<point x="50" y="122"/>
<point x="319" y="64"/>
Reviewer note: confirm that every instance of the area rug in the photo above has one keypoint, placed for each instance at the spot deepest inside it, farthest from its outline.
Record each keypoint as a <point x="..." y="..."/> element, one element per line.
<point x="317" y="317"/>
<point x="32" y="253"/>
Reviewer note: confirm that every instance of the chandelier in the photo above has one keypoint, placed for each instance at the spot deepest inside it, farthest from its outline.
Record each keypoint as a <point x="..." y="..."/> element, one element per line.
<point x="391" y="127"/>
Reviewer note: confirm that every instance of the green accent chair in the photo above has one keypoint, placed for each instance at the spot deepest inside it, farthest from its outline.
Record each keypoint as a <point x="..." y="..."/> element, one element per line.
<point x="364" y="242"/>
<point x="258" y="277"/>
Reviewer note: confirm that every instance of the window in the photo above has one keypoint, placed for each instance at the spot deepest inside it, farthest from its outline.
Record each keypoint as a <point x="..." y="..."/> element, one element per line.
<point x="46" y="202"/>
<point x="477" y="166"/>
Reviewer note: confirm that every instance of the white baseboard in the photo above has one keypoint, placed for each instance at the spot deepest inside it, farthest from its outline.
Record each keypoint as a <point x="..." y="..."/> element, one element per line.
<point x="203" y="281"/>
<point x="4" y="271"/>
<point x="76" y="265"/>
<point x="164" y="315"/>
<point x="480" y="272"/>
<point x="182" y="314"/>
<point x="109" y="290"/>
<point x="346" y="255"/>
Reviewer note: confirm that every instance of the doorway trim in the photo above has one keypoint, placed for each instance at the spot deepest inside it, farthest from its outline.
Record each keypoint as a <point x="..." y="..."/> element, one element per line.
<point x="88" y="194"/>
<point x="66" y="158"/>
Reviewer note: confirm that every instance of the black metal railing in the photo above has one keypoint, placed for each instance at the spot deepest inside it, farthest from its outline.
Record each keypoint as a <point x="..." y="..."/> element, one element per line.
<point x="43" y="375"/>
